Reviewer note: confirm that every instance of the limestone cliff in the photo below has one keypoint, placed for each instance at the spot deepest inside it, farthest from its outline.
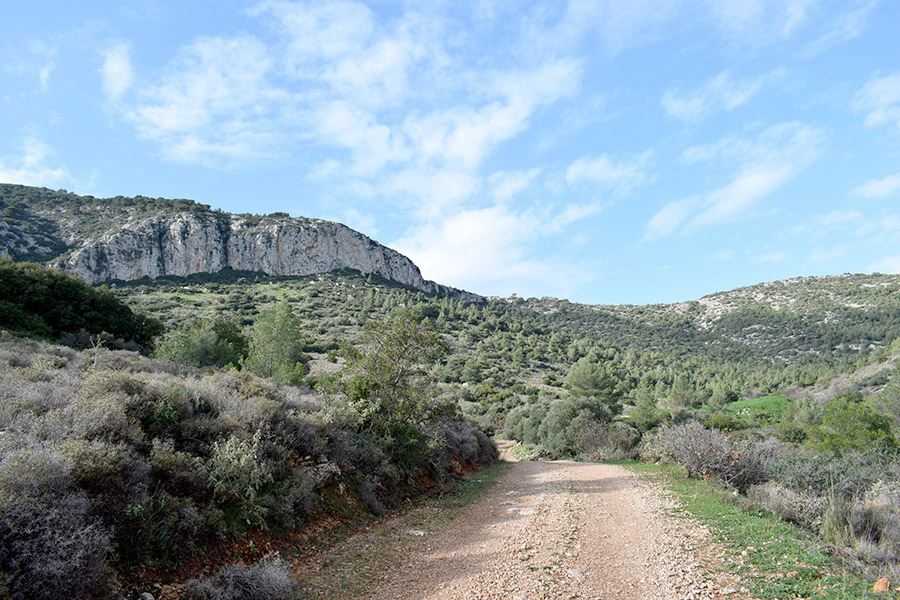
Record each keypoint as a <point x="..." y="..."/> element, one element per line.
<point x="189" y="243"/>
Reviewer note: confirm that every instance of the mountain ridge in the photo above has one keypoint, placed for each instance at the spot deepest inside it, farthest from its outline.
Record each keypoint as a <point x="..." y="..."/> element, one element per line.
<point x="127" y="239"/>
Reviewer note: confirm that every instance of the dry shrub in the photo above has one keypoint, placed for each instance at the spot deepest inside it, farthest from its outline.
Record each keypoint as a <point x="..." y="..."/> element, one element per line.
<point x="708" y="453"/>
<point x="609" y="441"/>
<point x="790" y="505"/>
<point x="49" y="545"/>
<point x="269" y="579"/>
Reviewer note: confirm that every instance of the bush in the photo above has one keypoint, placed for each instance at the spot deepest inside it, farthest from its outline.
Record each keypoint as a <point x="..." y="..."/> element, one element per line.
<point x="236" y="476"/>
<point x="557" y="426"/>
<point x="850" y="425"/>
<point x="46" y="302"/>
<point x="206" y="342"/>
<point x="269" y="579"/>
<point x="708" y="453"/>
<point x="561" y="429"/>
<point x="875" y="522"/>
<point x="50" y="547"/>
<point x="276" y="346"/>
<point x="797" y="507"/>
<point x="609" y="441"/>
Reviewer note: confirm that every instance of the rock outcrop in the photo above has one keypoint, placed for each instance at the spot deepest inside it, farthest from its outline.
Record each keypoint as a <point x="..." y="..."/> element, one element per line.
<point x="190" y="243"/>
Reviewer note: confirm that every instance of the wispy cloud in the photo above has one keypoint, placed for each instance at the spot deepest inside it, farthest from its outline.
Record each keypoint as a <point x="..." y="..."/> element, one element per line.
<point x="776" y="256"/>
<point x="32" y="167"/>
<point x="763" y="165"/>
<point x="880" y="100"/>
<point x="116" y="71"/>
<point x="758" y="22"/>
<point x="878" y="188"/>
<point x="670" y="218"/>
<point x="888" y="264"/>
<point x="727" y="203"/>
<point x="506" y="184"/>
<point x="722" y="92"/>
<point x="605" y="173"/>
<point x="213" y="104"/>
<point x="845" y="27"/>
<point x="723" y="256"/>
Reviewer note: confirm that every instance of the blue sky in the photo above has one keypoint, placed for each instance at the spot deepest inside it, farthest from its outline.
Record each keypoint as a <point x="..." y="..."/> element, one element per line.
<point x="606" y="151"/>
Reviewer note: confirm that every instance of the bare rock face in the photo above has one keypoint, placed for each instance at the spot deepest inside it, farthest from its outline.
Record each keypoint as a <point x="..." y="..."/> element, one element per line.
<point x="207" y="243"/>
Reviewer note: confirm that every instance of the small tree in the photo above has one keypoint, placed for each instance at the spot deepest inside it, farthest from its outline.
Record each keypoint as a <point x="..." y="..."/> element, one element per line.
<point x="276" y="346"/>
<point x="589" y="378"/>
<point x="386" y="380"/>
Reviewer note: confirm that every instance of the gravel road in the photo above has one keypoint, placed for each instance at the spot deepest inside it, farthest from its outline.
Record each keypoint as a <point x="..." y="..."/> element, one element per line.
<point x="560" y="530"/>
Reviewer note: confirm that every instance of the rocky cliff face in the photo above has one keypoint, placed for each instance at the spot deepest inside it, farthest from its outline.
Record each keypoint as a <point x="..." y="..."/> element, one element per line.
<point x="191" y="243"/>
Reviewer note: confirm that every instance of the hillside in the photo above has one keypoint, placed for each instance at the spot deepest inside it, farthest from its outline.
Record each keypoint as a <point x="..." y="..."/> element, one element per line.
<point x="509" y="350"/>
<point x="107" y="239"/>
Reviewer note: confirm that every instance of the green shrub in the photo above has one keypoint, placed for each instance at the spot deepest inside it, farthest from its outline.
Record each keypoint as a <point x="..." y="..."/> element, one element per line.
<point x="276" y="346"/>
<point x="557" y="426"/>
<point x="560" y="431"/>
<point x="609" y="441"/>
<point x="206" y="342"/>
<point x="790" y="432"/>
<point x="849" y="424"/>
<point x="46" y="302"/>
<point x="236" y="476"/>
<point x="724" y="422"/>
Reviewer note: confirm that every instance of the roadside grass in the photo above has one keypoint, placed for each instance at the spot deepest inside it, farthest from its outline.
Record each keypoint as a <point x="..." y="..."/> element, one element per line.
<point x="782" y="561"/>
<point x="355" y="565"/>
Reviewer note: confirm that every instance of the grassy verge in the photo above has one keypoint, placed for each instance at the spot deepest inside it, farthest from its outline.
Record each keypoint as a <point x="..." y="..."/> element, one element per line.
<point x="782" y="560"/>
<point x="351" y="568"/>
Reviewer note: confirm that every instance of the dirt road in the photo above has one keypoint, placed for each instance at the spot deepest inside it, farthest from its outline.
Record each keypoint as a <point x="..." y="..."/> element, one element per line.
<point x="559" y="530"/>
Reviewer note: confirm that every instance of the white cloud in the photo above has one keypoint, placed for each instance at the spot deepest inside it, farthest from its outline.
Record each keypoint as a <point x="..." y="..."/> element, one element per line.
<point x="44" y="75"/>
<point x="31" y="168"/>
<point x="846" y="27"/>
<point x="722" y="92"/>
<point x="890" y="223"/>
<point x="572" y="213"/>
<point x="506" y="184"/>
<point x="758" y="22"/>
<point x="724" y="204"/>
<point x="833" y="252"/>
<point x="117" y="72"/>
<point x="462" y="135"/>
<point x="763" y="165"/>
<point x="372" y="144"/>
<point x="669" y="218"/>
<point x="878" y="188"/>
<point x="432" y="193"/>
<point x="880" y="99"/>
<point x="888" y="264"/>
<point x="608" y="174"/>
<point x="364" y="223"/>
<point x="488" y="250"/>
<point x="214" y="104"/>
